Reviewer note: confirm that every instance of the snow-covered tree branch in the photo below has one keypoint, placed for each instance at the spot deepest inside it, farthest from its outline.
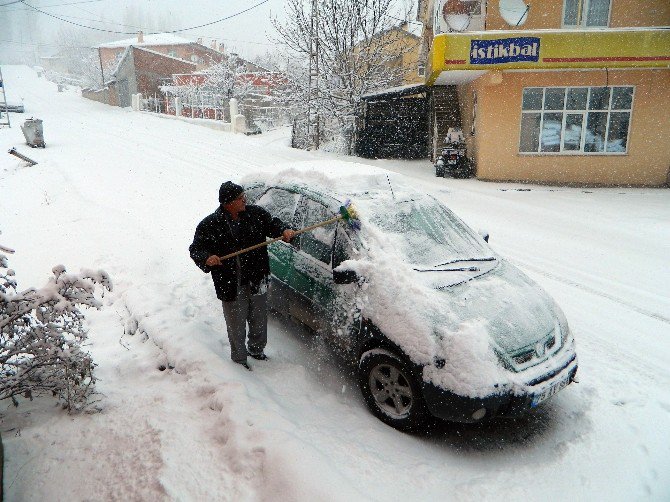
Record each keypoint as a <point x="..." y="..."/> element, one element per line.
<point x="227" y="78"/>
<point x="42" y="333"/>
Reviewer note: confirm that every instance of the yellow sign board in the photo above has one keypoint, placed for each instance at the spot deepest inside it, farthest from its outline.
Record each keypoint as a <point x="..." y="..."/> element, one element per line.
<point x="555" y="49"/>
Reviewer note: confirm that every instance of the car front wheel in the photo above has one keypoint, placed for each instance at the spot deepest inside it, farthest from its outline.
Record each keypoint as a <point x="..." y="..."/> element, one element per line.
<point x="390" y="390"/>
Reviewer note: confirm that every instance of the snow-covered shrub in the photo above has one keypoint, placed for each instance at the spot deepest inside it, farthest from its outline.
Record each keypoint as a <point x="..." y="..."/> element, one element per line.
<point x="42" y="334"/>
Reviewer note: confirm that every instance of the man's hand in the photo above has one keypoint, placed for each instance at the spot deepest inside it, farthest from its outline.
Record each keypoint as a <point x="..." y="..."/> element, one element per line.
<point x="288" y="235"/>
<point x="213" y="261"/>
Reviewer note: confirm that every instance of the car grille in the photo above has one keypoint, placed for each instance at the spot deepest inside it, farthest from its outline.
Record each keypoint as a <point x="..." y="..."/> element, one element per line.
<point x="537" y="352"/>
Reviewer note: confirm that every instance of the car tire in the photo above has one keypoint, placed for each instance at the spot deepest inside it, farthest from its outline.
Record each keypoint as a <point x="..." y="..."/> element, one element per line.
<point x="391" y="391"/>
<point x="439" y="171"/>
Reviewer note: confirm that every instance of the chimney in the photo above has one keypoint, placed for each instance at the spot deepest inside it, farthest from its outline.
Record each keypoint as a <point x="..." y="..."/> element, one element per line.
<point x="214" y="44"/>
<point x="140" y="37"/>
<point x="199" y="41"/>
<point x="222" y="48"/>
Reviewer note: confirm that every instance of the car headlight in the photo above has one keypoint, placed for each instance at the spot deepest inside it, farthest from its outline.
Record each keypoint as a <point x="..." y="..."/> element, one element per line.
<point x="562" y="325"/>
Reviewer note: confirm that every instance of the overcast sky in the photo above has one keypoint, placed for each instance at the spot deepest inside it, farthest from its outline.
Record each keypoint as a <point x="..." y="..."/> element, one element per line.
<point x="26" y="34"/>
<point x="247" y="33"/>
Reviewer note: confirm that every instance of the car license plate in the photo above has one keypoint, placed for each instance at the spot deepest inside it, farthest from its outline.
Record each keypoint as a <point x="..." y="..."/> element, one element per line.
<point x="550" y="391"/>
<point x="451" y="162"/>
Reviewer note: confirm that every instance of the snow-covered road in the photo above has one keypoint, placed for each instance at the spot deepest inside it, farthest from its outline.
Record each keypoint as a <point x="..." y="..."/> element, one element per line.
<point x="123" y="191"/>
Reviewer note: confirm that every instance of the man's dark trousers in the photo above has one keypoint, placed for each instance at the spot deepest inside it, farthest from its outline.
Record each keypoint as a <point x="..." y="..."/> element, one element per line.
<point x="246" y="308"/>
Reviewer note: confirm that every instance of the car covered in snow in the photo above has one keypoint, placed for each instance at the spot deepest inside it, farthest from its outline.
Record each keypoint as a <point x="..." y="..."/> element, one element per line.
<point x="436" y="322"/>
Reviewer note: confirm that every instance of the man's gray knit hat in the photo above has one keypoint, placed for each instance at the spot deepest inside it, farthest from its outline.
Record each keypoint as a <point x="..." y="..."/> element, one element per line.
<point x="229" y="191"/>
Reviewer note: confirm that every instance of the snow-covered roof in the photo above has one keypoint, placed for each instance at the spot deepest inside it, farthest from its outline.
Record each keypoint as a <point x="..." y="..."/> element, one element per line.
<point x="163" y="55"/>
<point x="401" y="90"/>
<point x="336" y="177"/>
<point x="157" y="39"/>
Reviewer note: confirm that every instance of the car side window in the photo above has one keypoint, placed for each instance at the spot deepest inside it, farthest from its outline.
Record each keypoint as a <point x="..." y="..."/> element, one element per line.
<point x="344" y="248"/>
<point x="253" y="193"/>
<point x="280" y="204"/>
<point x="318" y="242"/>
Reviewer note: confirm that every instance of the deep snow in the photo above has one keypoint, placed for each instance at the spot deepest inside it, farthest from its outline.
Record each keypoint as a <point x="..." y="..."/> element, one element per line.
<point x="123" y="191"/>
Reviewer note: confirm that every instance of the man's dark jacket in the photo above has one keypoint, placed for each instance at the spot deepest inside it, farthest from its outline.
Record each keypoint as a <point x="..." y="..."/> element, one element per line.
<point x="213" y="236"/>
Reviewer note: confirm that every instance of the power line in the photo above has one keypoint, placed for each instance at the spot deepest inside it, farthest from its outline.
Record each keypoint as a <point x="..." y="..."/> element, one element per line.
<point x="153" y="33"/>
<point x="52" y="5"/>
<point x="10" y="3"/>
<point x="102" y="21"/>
<point x="32" y="44"/>
<point x="403" y="20"/>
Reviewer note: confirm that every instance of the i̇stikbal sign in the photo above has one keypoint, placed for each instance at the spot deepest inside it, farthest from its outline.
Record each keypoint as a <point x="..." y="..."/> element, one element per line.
<point x="506" y="50"/>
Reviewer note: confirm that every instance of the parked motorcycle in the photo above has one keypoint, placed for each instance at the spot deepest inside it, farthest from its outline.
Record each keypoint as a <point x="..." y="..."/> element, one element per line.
<point x="453" y="161"/>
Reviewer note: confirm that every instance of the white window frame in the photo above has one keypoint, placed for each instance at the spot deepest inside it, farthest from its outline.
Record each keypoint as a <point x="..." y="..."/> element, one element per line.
<point x="584" y="113"/>
<point x="582" y="18"/>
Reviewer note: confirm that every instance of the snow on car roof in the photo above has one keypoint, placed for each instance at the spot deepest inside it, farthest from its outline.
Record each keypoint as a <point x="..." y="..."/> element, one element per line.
<point x="337" y="178"/>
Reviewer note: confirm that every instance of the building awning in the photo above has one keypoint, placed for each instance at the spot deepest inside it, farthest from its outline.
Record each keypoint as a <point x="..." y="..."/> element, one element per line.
<point x="395" y="92"/>
<point x="548" y="50"/>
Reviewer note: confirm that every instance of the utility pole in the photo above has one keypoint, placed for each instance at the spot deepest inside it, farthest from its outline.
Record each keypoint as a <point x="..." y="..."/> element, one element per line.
<point x="102" y="73"/>
<point x="313" y="131"/>
<point x="4" y="111"/>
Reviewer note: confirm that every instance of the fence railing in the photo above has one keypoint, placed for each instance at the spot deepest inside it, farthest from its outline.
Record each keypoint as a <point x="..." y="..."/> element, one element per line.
<point x="211" y="106"/>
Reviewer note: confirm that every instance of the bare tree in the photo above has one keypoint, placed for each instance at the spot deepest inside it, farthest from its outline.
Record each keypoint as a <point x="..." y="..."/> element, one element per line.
<point x="42" y="335"/>
<point x="79" y="57"/>
<point x="357" y="49"/>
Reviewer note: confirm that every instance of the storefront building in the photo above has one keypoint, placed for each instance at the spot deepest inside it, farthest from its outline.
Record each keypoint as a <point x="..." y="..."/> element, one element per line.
<point x="547" y="91"/>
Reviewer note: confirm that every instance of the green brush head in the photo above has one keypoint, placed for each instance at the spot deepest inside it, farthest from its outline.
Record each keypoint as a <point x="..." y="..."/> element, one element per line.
<point x="349" y="214"/>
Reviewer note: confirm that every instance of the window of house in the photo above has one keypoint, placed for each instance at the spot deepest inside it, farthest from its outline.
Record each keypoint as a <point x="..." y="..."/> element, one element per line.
<point x="172" y="53"/>
<point x="422" y="70"/>
<point x="575" y="119"/>
<point x="586" y="13"/>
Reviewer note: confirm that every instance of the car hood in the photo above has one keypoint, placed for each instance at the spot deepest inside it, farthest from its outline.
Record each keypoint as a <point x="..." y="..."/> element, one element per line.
<point x="515" y="310"/>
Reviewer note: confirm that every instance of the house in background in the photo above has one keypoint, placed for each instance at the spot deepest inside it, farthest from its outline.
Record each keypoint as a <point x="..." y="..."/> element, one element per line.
<point x="139" y="70"/>
<point x="143" y="64"/>
<point x="163" y="43"/>
<point x="392" y="121"/>
<point x="553" y="91"/>
<point x="403" y="44"/>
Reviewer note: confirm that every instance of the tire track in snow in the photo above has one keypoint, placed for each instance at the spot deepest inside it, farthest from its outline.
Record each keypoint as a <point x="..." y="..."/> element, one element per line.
<point x="565" y="280"/>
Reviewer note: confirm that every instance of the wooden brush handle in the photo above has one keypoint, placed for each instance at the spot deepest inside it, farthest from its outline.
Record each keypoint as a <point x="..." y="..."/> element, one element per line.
<point x="267" y="243"/>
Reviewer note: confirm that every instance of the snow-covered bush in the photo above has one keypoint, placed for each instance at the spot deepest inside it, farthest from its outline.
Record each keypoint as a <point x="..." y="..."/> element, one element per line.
<point x="42" y="334"/>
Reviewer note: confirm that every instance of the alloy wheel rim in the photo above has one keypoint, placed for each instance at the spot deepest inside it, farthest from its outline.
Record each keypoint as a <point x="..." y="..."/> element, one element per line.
<point x="391" y="390"/>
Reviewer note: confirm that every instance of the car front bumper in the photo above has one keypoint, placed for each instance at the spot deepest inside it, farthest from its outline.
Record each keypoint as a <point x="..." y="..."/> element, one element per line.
<point x="513" y="402"/>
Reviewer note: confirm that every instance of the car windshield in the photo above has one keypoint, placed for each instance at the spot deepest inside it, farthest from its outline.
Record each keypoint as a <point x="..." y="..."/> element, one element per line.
<point x="426" y="233"/>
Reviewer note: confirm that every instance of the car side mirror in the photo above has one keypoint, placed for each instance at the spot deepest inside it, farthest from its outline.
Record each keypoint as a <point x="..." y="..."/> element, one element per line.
<point x="484" y="234"/>
<point x="344" y="276"/>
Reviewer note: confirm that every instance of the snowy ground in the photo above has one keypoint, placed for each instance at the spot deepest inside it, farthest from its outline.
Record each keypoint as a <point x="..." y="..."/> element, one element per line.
<point x="123" y="191"/>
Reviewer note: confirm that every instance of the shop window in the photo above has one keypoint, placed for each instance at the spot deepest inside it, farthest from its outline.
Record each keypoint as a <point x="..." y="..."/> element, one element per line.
<point x="586" y="13"/>
<point x="556" y="120"/>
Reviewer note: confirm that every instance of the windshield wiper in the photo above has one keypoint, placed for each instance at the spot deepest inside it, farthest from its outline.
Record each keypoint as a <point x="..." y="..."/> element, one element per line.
<point x="491" y="258"/>
<point x="464" y="269"/>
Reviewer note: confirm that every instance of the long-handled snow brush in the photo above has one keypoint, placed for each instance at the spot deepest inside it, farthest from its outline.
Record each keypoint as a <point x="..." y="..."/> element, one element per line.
<point x="347" y="214"/>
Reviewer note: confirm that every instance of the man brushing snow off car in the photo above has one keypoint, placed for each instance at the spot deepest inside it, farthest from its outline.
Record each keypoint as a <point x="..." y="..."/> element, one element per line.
<point x="241" y="281"/>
